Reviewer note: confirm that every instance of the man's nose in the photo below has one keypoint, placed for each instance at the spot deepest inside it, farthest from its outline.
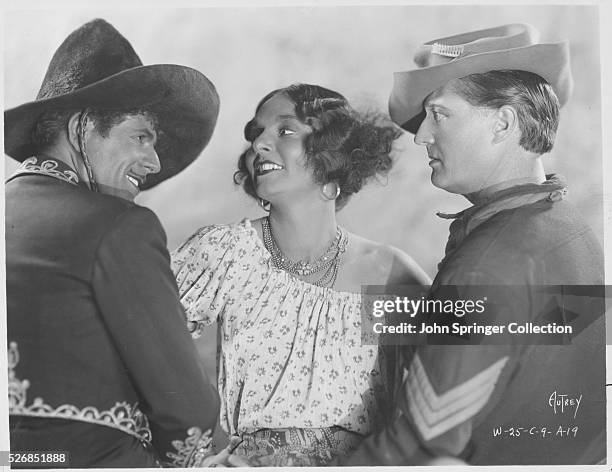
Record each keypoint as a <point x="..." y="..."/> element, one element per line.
<point x="151" y="162"/>
<point x="423" y="136"/>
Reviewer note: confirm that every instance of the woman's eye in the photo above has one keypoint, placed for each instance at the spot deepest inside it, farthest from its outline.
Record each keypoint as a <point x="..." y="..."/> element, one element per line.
<point x="285" y="132"/>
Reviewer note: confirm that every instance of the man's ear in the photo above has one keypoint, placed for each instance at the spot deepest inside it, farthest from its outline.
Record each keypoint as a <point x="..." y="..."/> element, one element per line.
<point x="505" y="122"/>
<point x="73" y="131"/>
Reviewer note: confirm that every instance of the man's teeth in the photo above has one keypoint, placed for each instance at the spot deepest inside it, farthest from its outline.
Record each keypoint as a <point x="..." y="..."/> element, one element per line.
<point x="133" y="180"/>
<point x="269" y="166"/>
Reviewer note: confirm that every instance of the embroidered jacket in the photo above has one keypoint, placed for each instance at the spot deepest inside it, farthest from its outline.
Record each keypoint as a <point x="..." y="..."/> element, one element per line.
<point x="497" y="404"/>
<point x="96" y="331"/>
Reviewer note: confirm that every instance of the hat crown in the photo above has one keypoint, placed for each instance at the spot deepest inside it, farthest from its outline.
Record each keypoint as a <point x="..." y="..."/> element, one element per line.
<point x="507" y="47"/>
<point x="89" y="54"/>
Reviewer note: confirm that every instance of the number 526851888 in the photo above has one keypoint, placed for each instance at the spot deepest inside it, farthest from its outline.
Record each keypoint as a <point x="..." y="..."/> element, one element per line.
<point x="38" y="457"/>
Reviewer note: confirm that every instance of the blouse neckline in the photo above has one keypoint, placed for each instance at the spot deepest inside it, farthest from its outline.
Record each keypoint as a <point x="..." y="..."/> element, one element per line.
<point x="265" y="253"/>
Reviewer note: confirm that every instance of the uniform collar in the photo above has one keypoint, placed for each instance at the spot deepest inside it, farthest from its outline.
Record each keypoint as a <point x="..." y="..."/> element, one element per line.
<point x="48" y="166"/>
<point x="552" y="190"/>
<point x="554" y="187"/>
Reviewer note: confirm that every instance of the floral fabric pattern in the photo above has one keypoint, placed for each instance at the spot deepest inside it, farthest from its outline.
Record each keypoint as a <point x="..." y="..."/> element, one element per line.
<point x="296" y="447"/>
<point x="291" y="351"/>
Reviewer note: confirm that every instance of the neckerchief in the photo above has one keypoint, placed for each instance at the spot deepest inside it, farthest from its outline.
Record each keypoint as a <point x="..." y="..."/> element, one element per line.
<point x="553" y="189"/>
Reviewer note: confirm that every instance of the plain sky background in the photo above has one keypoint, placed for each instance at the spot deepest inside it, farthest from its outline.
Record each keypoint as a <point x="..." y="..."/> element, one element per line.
<point x="247" y="52"/>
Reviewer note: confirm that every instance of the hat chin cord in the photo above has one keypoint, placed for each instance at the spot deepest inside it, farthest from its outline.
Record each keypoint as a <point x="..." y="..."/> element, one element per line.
<point x="81" y="137"/>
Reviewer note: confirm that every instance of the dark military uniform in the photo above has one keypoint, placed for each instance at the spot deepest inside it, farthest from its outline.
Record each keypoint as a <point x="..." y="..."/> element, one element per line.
<point x="499" y="404"/>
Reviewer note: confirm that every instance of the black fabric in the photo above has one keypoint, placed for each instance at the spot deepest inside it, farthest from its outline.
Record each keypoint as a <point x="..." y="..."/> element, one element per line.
<point x="517" y="250"/>
<point x="87" y="445"/>
<point x="91" y="53"/>
<point x="94" y="310"/>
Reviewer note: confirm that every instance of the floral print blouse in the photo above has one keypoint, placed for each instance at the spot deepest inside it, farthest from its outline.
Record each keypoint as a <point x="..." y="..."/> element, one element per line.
<point x="291" y="353"/>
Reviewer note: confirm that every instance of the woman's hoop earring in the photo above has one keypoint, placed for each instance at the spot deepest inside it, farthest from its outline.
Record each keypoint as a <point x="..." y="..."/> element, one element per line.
<point x="265" y="204"/>
<point x="331" y="195"/>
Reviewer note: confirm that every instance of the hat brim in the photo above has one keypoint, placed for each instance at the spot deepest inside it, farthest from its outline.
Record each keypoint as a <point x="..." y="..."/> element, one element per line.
<point x="185" y="102"/>
<point x="411" y="88"/>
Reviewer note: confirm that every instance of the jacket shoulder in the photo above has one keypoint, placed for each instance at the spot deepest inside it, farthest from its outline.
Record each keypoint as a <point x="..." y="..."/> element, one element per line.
<point x="96" y="206"/>
<point x="541" y="228"/>
<point x="101" y="211"/>
<point x="69" y="215"/>
<point x="548" y="239"/>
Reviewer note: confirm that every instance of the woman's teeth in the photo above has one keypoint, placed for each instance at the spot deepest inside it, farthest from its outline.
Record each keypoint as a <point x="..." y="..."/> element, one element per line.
<point x="269" y="166"/>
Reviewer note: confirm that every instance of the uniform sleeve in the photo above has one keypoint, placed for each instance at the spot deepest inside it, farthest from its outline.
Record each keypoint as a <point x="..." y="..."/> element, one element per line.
<point x="203" y="270"/>
<point x="138" y="299"/>
<point x="445" y="392"/>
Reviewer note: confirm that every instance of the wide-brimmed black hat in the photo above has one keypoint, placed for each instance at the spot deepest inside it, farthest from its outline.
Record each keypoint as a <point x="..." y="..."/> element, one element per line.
<point x="439" y="61"/>
<point x="96" y="67"/>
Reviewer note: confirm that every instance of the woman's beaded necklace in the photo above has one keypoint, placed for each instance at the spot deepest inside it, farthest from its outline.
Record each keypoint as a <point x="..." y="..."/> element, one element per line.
<point x="328" y="262"/>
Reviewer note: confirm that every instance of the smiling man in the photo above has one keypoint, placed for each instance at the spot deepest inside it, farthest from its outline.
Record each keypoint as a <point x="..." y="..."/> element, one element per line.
<point x="485" y="105"/>
<point x="102" y="369"/>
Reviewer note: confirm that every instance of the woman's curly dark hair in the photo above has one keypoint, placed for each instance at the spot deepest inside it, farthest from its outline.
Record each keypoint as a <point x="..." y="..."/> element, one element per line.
<point x="345" y="147"/>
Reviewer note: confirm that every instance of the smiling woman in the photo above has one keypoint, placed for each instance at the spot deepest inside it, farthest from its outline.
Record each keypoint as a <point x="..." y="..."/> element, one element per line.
<point x="338" y="145"/>
<point x="297" y="385"/>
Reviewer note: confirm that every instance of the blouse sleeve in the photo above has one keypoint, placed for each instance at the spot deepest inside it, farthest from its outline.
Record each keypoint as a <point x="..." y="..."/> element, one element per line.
<point x="202" y="267"/>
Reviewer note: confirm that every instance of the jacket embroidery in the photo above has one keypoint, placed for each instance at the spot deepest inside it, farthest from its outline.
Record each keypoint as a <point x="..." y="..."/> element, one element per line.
<point x="50" y="167"/>
<point x="192" y="451"/>
<point x="122" y="416"/>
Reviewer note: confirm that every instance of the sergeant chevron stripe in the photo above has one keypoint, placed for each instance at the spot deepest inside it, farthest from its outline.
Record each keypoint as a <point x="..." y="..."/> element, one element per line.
<point x="435" y="414"/>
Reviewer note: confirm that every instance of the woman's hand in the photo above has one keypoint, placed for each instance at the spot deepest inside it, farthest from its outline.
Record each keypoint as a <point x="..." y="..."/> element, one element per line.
<point x="225" y="459"/>
<point x="218" y="460"/>
<point x="238" y="461"/>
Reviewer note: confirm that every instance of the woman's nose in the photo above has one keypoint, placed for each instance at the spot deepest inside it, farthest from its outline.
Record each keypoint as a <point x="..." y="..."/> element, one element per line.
<point x="262" y="143"/>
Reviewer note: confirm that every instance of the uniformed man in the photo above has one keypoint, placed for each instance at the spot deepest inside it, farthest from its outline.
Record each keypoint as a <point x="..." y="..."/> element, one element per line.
<point x="485" y="105"/>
